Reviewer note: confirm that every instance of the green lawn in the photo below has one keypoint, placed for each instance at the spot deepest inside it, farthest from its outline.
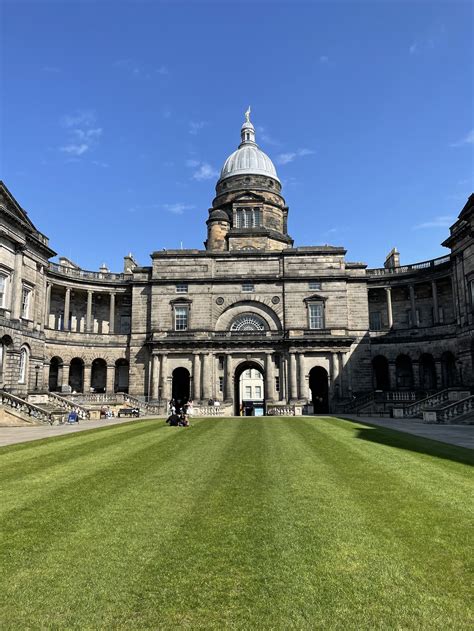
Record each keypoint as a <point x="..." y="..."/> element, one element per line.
<point x="253" y="523"/>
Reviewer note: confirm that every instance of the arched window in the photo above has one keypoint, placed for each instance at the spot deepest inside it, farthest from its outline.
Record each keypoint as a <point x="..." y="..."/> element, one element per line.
<point x="24" y="357"/>
<point x="248" y="322"/>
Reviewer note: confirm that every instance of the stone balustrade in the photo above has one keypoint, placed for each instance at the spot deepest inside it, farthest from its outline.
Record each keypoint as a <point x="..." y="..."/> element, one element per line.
<point x="29" y="409"/>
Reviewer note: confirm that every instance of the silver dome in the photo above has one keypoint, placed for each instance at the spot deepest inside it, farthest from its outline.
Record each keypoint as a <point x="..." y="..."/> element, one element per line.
<point x="249" y="159"/>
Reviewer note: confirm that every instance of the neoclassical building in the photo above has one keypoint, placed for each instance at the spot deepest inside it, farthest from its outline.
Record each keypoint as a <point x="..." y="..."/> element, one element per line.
<point x="322" y="331"/>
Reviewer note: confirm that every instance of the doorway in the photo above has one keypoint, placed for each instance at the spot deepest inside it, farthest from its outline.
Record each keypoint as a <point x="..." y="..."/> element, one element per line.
<point x="319" y="386"/>
<point x="181" y="386"/>
<point x="249" y="394"/>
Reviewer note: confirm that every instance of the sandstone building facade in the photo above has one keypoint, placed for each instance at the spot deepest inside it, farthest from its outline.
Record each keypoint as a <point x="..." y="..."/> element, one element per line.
<point x="319" y="329"/>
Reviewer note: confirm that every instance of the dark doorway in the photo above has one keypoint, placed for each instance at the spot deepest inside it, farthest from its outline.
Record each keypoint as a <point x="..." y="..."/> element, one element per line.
<point x="404" y="369"/>
<point x="55" y="374"/>
<point x="181" y="383"/>
<point x="99" y="375"/>
<point x="319" y="386"/>
<point x="249" y="392"/>
<point x="448" y="370"/>
<point x="76" y="375"/>
<point x="381" y="373"/>
<point x="427" y="372"/>
<point x="121" y="375"/>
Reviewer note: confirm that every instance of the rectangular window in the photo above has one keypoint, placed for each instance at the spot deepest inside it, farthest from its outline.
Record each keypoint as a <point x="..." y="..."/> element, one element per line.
<point x="182" y="288"/>
<point x="248" y="287"/>
<point x="277" y="384"/>
<point x="248" y="392"/>
<point x="125" y="324"/>
<point x="316" y="316"/>
<point x="25" y="302"/>
<point x="258" y="392"/>
<point x="375" y="321"/>
<point x="181" y="318"/>
<point x="248" y="374"/>
<point x="221" y="362"/>
<point x="410" y="319"/>
<point x="314" y="284"/>
<point x="221" y="384"/>
<point x="3" y="290"/>
<point x="238" y="218"/>
<point x="257" y="217"/>
<point x="247" y="217"/>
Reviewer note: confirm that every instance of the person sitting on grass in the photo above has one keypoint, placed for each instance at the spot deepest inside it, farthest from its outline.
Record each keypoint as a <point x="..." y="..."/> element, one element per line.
<point x="173" y="420"/>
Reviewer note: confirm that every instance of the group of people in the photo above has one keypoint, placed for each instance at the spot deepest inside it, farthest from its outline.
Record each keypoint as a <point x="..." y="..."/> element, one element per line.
<point x="106" y="412"/>
<point x="179" y="413"/>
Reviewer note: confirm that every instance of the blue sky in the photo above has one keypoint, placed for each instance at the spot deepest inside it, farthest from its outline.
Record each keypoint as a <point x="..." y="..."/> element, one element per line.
<point x="117" y="117"/>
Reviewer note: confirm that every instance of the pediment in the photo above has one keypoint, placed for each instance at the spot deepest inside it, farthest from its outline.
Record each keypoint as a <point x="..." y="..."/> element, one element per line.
<point x="9" y="204"/>
<point x="315" y="298"/>
<point x="248" y="197"/>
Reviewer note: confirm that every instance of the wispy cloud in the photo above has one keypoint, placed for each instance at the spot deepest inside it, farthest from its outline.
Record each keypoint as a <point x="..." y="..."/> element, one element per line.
<point x="324" y="59"/>
<point x="413" y="48"/>
<point x="99" y="163"/>
<point x="140" y="70"/>
<point x="290" y="156"/>
<point x="82" y="132"/>
<point x="196" y="126"/>
<point x="266" y="137"/>
<point x="468" y="139"/>
<point x="192" y="163"/>
<point x="178" y="208"/>
<point x="205" y="172"/>
<point x="442" y="221"/>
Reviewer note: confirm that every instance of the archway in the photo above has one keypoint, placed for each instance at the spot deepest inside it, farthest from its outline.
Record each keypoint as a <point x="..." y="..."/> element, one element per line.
<point x="381" y="373"/>
<point x="55" y="374"/>
<point x="249" y="394"/>
<point x="448" y="369"/>
<point x="98" y="375"/>
<point x="427" y="372"/>
<point x="121" y="375"/>
<point x="404" y="371"/>
<point x="181" y="386"/>
<point x="319" y="386"/>
<point x="76" y="375"/>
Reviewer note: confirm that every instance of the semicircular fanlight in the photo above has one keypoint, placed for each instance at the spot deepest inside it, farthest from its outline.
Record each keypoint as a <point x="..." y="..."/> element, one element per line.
<point x="248" y="322"/>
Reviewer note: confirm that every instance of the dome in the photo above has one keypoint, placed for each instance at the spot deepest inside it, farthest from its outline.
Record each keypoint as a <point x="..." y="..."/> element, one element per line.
<point x="249" y="159"/>
<point x="219" y="215"/>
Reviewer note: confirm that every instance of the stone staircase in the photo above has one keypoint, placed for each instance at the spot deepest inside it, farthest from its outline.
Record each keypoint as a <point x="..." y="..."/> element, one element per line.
<point x="17" y="411"/>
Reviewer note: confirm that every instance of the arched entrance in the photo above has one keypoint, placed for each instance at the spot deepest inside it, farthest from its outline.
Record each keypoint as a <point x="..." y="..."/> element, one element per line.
<point x="121" y="375"/>
<point x="76" y="375"/>
<point x="98" y="375"/>
<point x="381" y="373"/>
<point x="319" y="386"/>
<point x="249" y="395"/>
<point x="55" y="374"/>
<point x="427" y="372"/>
<point x="181" y="386"/>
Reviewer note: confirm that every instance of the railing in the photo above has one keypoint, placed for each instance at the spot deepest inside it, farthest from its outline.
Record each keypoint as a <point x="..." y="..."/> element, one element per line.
<point x="451" y="412"/>
<point x="81" y="273"/>
<point x="152" y="408"/>
<point x="210" y="410"/>
<point x="400" y="397"/>
<point x="20" y="405"/>
<point x="280" y="410"/>
<point x="404" y="269"/>
<point x="435" y="399"/>
<point x="378" y="396"/>
<point x="65" y="404"/>
<point x="116" y="398"/>
<point x="359" y="401"/>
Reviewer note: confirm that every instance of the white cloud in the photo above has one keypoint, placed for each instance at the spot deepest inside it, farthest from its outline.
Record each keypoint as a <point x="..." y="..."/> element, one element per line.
<point x="178" y="208"/>
<point x="467" y="140"/>
<point x="82" y="132"/>
<point x="162" y="70"/>
<point x="266" y="137"/>
<point x="99" y="163"/>
<point x="192" y="163"/>
<point x="413" y="48"/>
<point x="285" y="158"/>
<point x="324" y="59"/>
<point x="442" y="221"/>
<point x="205" y="172"/>
<point x="196" y="126"/>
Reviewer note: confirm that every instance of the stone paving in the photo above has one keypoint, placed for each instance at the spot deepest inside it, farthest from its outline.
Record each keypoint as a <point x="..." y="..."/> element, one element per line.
<point x="460" y="435"/>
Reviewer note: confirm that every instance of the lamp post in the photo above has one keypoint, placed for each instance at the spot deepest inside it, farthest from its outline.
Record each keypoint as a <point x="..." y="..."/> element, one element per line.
<point x="37" y="369"/>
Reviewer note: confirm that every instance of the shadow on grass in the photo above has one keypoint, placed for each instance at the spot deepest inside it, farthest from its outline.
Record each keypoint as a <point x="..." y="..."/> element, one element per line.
<point x="418" y="444"/>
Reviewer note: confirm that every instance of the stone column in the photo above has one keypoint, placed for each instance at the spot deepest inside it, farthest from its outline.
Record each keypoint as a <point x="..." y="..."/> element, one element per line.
<point x="228" y="389"/>
<point x="89" y="312"/>
<point x="388" y="293"/>
<point x="414" y="321"/>
<point x="348" y="372"/>
<point x="64" y="376"/>
<point x="434" y="292"/>
<point x="302" y="392"/>
<point x="112" y="313"/>
<point x="392" y="371"/>
<point x="282" y="395"/>
<point x="292" y="378"/>
<point x="155" y="376"/>
<point x="110" y="379"/>
<point x="416" y="374"/>
<point x="335" y="374"/>
<point x="269" y="377"/>
<point x="47" y="305"/>
<point x="17" y="284"/>
<point x="197" y="377"/>
<point x="165" y="390"/>
<point x="46" y="376"/>
<point x="87" y="378"/>
<point x="67" y="309"/>
<point x="207" y="377"/>
<point x="439" y="374"/>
